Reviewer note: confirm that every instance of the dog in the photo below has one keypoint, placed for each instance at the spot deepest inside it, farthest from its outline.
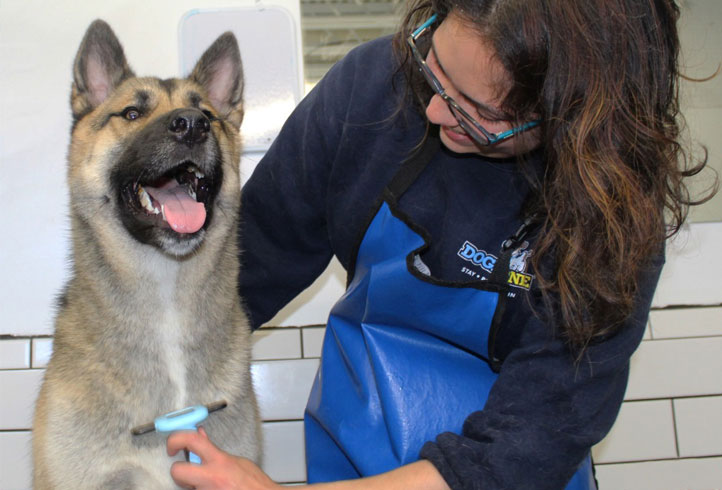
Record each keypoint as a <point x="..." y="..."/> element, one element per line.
<point x="150" y="321"/>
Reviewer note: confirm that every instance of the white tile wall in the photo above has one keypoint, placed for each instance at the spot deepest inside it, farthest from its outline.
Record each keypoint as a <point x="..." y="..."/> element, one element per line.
<point x="679" y="474"/>
<point x="699" y="426"/>
<point x="283" y="387"/>
<point x="15" y="354"/>
<point x="15" y="460"/>
<point x="643" y="431"/>
<point x="313" y="341"/>
<point x="277" y="343"/>
<point x="686" y="322"/>
<point x="689" y="276"/>
<point x="42" y="348"/>
<point x="19" y="389"/>
<point x="676" y="368"/>
<point x="283" y="450"/>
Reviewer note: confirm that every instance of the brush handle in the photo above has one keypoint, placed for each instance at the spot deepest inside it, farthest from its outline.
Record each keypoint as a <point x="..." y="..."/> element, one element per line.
<point x="184" y="419"/>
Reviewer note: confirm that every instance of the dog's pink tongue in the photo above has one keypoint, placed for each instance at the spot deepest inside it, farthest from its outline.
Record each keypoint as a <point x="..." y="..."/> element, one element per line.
<point x="180" y="210"/>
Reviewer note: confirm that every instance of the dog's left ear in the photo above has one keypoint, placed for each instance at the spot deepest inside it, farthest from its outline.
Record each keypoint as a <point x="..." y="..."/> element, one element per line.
<point x="220" y="73"/>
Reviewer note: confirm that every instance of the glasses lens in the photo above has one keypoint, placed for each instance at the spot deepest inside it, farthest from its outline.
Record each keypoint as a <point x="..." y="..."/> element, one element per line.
<point x="467" y="124"/>
<point x="431" y="80"/>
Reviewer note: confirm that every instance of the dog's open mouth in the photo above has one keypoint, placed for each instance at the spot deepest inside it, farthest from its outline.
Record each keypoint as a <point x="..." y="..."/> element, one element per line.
<point x="178" y="199"/>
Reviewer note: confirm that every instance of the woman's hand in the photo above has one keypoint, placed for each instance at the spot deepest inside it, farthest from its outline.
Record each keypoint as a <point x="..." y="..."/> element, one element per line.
<point x="218" y="470"/>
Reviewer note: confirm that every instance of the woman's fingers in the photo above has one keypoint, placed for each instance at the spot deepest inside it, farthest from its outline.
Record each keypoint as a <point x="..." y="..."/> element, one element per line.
<point x="189" y="475"/>
<point x="194" y="441"/>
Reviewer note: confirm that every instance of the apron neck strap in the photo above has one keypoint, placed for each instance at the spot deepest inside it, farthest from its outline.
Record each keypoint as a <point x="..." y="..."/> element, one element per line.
<point x="414" y="165"/>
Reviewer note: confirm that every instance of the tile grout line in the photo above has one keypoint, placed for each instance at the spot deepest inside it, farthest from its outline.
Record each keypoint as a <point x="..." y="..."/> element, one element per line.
<point x="303" y="350"/>
<point x="674" y="426"/>
<point x="661" y="460"/>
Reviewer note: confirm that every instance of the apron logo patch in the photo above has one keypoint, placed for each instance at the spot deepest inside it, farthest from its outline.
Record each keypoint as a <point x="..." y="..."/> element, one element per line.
<point x="517" y="264"/>
<point x="517" y="267"/>
<point x="477" y="257"/>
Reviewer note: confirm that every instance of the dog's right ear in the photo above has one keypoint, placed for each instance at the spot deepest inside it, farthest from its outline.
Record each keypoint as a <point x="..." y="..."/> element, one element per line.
<point x="100" y="66"/>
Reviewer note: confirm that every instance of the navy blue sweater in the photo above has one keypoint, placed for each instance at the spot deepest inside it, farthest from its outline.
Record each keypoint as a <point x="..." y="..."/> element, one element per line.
<point x="308" y="200"/>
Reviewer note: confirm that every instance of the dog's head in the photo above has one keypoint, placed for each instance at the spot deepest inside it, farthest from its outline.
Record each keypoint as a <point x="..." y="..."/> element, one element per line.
<point x="155" y="159"/>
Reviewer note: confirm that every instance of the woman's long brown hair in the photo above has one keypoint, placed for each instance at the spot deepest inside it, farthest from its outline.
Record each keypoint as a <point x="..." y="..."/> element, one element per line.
<point x="603" y="77"/>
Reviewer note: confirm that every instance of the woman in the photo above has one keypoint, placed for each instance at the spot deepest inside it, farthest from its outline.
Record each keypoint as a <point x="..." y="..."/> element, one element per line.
<point x="494" y="180"/>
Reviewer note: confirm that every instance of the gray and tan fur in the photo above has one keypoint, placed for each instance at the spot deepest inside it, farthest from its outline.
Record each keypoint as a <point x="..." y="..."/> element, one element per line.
<point x="150" y="321"/>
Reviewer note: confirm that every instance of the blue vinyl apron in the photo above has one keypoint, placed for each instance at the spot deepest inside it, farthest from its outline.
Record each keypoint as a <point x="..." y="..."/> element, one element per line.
<point x="405" y="356"/>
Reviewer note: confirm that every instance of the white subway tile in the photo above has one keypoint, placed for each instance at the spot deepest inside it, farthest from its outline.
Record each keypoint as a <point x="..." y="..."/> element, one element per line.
<point x="42" y="350"/>
<point x="643" y="431"/>
<point x="282" y="387"/>
<point x="699" y="426"/>
<point x="284" y="452"/>
<point x="700" y="29"/>
<point x="676" y="368"/>
<point x="688" y="277"/>
<point x="686" y="322"/>
<point x="276" y="343"/>
<point x="680" y="474"/>
<point x="20" y="389"/>
<point x="15" y="354"/>
<point x="15" y="460"/>
<point x="313" y="341"/>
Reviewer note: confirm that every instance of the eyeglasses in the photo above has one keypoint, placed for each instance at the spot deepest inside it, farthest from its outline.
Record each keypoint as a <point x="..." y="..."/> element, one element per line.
<point x="466" y="121"/>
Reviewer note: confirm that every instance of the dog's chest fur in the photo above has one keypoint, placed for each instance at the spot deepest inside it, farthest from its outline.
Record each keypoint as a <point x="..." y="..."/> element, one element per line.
<point x="169" y="333"/>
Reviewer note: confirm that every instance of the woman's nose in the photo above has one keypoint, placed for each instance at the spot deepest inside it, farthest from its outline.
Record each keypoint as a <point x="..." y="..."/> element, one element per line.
<point x="439" y="112"/>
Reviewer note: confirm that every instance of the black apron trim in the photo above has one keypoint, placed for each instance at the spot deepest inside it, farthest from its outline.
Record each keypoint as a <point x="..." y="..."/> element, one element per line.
<point x="408" y="172"/>
<point x="502" y="274"/>
<point x="351" y="271"/>
<point x="415" y="164"/>
<point x="421" y="231"/>
<point x="495" y="362"/>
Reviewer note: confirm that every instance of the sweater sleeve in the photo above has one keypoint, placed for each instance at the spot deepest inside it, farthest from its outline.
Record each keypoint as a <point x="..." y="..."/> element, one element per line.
<point x="283" y="231"/>
<point x="545" y="411"/>
<point x="309" y="195"/>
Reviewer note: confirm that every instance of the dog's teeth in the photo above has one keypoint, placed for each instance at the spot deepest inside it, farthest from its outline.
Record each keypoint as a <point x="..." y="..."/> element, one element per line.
<point x="143" y="197"/>
<point x="146" y="201"/>
<point x="195" y="171"/>
<point x="192" y="193"/>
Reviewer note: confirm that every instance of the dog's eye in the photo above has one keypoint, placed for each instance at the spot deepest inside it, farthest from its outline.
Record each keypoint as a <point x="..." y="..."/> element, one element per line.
<point x="209" y="114"/>
<point x="131" y="113"/>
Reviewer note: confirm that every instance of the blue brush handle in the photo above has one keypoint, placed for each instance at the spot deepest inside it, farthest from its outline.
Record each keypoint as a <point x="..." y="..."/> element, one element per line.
<point x="183" y="419"/>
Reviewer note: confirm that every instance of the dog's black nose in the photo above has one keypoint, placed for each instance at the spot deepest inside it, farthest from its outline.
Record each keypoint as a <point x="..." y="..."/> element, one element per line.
<point x="189" y="126"/>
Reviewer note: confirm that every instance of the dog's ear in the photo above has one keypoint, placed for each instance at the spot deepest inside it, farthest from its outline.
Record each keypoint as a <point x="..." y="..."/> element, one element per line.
<point x="220" y="73"/>
<point x="100" y="66"/>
